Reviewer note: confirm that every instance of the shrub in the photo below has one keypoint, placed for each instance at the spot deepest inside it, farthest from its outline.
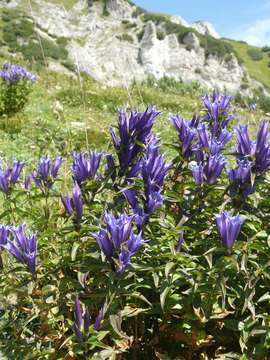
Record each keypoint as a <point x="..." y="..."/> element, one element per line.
<point x="125" y="37"/>
<point x="161" y="35"/>
<point x="16" y="84"/>
<point x="266" y="49"/>
<point x="129" y="255"/>
<point x="62" y="41"/>
<point x="173" y="85"/>
<point x="140" y="34"/>
<point x="255" y="54"/>
<point x="264" y="103"/>
<point x="69" y="65"/>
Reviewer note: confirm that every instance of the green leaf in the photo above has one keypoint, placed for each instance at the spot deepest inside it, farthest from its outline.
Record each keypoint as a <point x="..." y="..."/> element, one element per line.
<point x="264" y="297"/>
<point x="156" y="279"/>
<point x="116" y="322"/>
<point x="163" y="296"/>
<point x="138" y="295"/>
<point x="74" y="251"/>
<point x="168" y="268"/>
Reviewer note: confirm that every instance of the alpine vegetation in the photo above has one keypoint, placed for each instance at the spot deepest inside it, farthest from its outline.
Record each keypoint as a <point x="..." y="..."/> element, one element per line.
<point x="15" y="85"/>
<point x="144" y="250"/>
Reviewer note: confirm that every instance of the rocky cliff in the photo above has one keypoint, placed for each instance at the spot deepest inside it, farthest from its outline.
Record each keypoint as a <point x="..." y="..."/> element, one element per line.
<point x="116" y="43"/>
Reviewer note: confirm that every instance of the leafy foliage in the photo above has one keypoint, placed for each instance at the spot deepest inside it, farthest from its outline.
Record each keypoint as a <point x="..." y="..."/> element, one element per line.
<point x="182" y="293"/>
<point x="19" y="35"/>
<point x="15" y="87"/>
<point x="255" y="54"/>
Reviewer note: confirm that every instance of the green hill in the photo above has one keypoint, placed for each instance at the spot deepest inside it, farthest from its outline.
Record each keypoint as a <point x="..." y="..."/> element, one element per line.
<point x="257" y="69"/>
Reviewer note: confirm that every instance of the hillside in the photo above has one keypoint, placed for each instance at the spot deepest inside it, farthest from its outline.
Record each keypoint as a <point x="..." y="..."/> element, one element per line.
<point x="116" y="42"/>
<point x="258" y="69"/>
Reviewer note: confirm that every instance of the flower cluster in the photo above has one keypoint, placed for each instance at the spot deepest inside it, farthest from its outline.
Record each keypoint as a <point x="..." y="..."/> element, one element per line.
<point x="45" y="174"/>
<point x="23" y="247"/>
<point x="252" y="158"/>
<point x="229" y="228"/>
<point x="82" y="322"/>
<point x="10" y="175"/>
<point x="12" y="74"/>
<point x="258" y="151"/>
<point x="210" y="171"/>
<point x="153" y="171"/>
<point x="85" y="167"/>
<point x="117" y="241"/>
<point x="186" y="132"/>
<point x="205" y="138"/>
<point x="217" y="111"/>
<point x="134" y="131"/>
<point x="73" y="204"/>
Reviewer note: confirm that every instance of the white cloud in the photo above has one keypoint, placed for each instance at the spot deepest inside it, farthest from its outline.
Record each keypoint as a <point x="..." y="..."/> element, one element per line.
<point x="256" y="33"/>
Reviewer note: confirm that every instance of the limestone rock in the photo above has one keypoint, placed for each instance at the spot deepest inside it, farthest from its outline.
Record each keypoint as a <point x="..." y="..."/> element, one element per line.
<point x="191" y="39"/>
<point x="96" y="44"/>
<point x="119" y="8"/>
<point x="179" y="20"/>
<point x="205" y="28"/>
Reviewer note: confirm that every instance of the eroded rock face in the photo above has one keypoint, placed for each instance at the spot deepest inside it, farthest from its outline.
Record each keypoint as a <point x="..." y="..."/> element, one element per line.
<point x="205" y="28"/>
<point x="191" y="39"/>
<point x="179" y="20"/>
<point x="118" y="8"/>
<point x="97" y="45"/>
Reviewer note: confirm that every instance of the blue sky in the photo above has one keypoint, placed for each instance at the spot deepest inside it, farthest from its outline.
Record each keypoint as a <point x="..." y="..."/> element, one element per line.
<point x="247" y="20"/>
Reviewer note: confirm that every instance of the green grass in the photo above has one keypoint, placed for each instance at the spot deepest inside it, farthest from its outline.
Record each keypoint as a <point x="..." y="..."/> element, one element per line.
<point x="67" y="4"/>
<point x="257" y="69"/>
<point x="64" y="115"/>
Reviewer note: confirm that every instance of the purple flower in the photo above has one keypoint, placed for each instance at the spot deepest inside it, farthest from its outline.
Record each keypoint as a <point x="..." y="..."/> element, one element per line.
<point x="242" y="173"/>
<point x="217" y="105"/>
<point x="204" y="137"/>
<point x="154" y="171"/>
<point x="186" y="134"/>
<point x="180" y="241"/>
<point x="111" y="166"/>
<point x="12" y="74"/>
<point x="244" y="145"/>
<point x="10" y="175"/>
<point x="154" y="201"/>
<point x="73" y="204"/>
<point x="117" y="241"/>
<point x="46" y="173"/>
<point x="82" y="321"/>
<point x="85" y="166"/>
<point x="197" y="173"/>
<point x="213" y="168"/>
<point x="134" y="131"/>
<point x="23" y="247"/>
<point x="217" y="111"/>
<point x="262" y="152"/>
<point x="229" y="228"/>
<point x="214" y="144"/>
<point x="29" y="179"/>
<point x="99" y="318"/>
<point x="259" y="149"/>
<point x="4" y="232"/>
<point x="253" y="107"/>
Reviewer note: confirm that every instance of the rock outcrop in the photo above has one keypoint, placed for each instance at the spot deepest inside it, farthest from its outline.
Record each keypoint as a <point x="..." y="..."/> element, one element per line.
<point x="205" y="28"/>
<point x="117" y="46"/>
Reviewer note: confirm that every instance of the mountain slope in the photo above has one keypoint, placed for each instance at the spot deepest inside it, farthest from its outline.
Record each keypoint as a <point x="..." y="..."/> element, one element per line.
<point x="116" y="43"/>
<point x="257" y="69"/>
